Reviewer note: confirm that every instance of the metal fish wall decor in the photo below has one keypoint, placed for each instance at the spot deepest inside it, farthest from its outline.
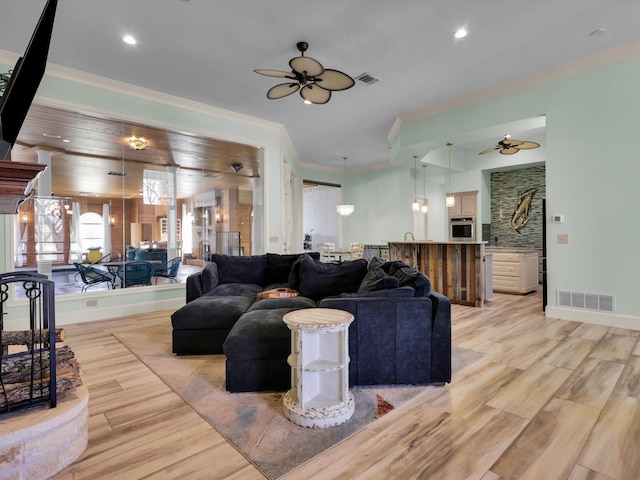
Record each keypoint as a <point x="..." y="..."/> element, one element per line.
<point x="521" y="215"/>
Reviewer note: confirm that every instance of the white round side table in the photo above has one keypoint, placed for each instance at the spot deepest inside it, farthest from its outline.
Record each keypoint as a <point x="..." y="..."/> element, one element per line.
<point x="319" y="360"/>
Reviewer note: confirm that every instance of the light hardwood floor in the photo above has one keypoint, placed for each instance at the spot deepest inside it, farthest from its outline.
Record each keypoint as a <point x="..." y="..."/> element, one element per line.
<point x="551" y="399"/>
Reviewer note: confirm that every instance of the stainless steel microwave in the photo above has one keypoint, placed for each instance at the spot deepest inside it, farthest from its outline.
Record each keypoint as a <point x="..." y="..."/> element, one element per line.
<point x="462" y="229"/>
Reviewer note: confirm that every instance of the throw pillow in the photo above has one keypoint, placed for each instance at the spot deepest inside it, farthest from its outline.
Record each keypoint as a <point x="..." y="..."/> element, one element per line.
<point x="414" y="278"/>
<point x="294" y="273"/>
<point x="279" y="266"/>
<point x="319" y="279"/>
<point x="377" y="279"/>
<point x="250" y="269"/>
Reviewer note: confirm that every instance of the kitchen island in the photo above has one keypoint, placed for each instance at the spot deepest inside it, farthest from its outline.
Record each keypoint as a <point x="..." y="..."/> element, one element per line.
<point x="456" y="269"/>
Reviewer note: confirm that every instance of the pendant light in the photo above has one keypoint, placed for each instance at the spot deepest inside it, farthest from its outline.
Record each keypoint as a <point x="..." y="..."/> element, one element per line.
<point x="450" y="200"/>
<point x="345" y="209"/>
<point x="415" y="206"/>
<point x="424" y="208"/>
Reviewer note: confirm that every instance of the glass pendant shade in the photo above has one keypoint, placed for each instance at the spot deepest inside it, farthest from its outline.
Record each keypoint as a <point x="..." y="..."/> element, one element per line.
<point x="415" y="206"/>
<point x="451" y="200"/>
<point x="345" y="209"/>
<point x="424" y="208"/>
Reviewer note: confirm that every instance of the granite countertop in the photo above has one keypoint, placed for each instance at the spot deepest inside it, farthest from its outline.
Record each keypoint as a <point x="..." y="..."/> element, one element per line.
<point x="510" y="249"/>
<point x="425" y="242"/>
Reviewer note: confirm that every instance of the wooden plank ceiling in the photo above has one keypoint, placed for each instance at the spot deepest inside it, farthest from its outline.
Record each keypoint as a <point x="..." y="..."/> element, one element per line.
<point x="96" y="155"/>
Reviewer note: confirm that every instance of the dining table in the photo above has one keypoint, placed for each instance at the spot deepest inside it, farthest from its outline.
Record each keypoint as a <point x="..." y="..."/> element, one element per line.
<point x="112" y="267"/>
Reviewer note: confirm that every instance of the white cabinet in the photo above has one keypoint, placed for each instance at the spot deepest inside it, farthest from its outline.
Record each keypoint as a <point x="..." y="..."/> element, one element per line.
<point x="515" y="271"/>
<point x="465" y="204"/>
<point x="319" y="396"/>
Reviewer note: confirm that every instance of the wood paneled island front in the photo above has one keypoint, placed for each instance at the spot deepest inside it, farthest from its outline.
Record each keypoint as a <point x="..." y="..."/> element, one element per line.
<point x="456" y="269"/>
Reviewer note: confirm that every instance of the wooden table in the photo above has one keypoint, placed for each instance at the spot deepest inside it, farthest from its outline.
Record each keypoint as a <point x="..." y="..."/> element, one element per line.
<point x="319" y="360"/>
<point x="339" y="256"/>
<point x="113" y="267"/>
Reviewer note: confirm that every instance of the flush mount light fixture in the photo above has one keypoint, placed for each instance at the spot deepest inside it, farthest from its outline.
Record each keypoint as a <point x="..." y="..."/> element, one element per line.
<point x="129" y="40"/>
<point x="137" y="143"/>
<point x="461" y="33"/>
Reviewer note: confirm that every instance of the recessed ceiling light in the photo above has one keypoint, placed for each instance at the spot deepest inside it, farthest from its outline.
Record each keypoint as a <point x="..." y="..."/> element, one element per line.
<point x="598" y="32"/>
<point x="129" y="39"/>
<point x="52" y="135"/>
<point x="461" y="33"/>
<point x="66" y="140"/>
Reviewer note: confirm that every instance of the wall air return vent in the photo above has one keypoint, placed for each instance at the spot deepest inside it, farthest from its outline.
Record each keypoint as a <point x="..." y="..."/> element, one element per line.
<point x="117" y="174"/>
<point x="586" y="301"/>
<point x="367" y="79"/>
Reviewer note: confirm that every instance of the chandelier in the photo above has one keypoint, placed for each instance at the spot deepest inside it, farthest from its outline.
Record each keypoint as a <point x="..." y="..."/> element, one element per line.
<point x="137" y="143"/>
<point x="345" y="209"/>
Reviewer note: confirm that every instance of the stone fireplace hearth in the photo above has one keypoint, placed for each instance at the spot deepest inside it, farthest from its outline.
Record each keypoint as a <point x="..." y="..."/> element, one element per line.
<point x="36" y="444"/>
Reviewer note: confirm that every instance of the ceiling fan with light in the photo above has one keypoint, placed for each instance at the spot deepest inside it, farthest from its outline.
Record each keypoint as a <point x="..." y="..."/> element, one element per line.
<point x="309" y="76"/>
<point x="510" y="146"/>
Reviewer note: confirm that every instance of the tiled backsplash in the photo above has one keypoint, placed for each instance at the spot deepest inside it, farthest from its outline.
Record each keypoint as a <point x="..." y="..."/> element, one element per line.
<point x="506" y="188"/>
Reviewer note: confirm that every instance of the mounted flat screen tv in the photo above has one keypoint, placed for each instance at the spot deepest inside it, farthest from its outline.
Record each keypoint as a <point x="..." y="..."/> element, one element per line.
<point x="24" y="81"/>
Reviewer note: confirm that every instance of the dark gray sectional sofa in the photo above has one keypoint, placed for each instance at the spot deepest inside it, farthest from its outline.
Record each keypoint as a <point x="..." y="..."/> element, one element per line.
<point x="401" y="333"/>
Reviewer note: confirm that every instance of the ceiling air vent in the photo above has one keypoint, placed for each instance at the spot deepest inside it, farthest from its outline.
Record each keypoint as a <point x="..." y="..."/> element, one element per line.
<point x="367" y="79"/>
<point x="117" y="174"/>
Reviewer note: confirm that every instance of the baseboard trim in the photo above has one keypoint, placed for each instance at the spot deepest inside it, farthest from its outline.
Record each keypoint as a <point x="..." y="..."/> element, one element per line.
<point x="598" y="318"/>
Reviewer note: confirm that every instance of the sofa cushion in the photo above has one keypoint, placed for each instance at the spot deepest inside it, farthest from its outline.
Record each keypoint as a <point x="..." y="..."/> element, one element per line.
<point x="383" y="293"/>
<point x="294" y="274"/>
<point x="232" y="269"/>
<point x="320" y="279"/>
<point x="244" y="289"/>
<point x="279" y="266"/>
<point x="285" y="302"/>
<point x="259" y="334"/>
<point x="377" y="279"/>
<point x="209" y="277"/>
<point x="210" y="312"/>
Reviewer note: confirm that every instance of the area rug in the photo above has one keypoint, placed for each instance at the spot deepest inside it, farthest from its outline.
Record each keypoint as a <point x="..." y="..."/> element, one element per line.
<point x="254" y="422"/>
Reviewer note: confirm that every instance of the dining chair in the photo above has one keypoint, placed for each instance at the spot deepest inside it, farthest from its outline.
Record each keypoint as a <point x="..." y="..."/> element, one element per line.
<point x="357" y="250"/>
<point x="325" y="250"/>
<point x="135" y="273"/>
<point x="168" y="270"/>
<point x="91" y="276"/>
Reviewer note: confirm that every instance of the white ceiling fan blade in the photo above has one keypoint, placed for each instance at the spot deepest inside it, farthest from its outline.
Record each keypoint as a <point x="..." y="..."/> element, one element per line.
<point x="282" y="90"/>
<point x="307" y="66"/>
<point x="275" y="73"/>
<point x="315" y="94"/>
<point x="334" y="80"/>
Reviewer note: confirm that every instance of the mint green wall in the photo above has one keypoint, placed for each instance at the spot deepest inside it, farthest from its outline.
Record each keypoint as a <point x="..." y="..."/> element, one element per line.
<point x="592" y="167"/>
